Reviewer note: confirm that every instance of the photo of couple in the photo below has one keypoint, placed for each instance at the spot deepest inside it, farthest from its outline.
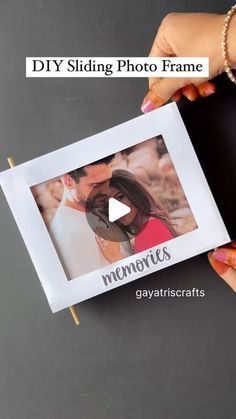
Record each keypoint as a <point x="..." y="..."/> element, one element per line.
<point x="74" y="207"/>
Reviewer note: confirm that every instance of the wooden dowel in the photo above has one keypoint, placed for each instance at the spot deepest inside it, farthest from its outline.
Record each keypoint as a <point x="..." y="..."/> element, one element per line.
<point x="11" y="162"/>
<point x="72" y="309"/>
<point x="75" y="315"/>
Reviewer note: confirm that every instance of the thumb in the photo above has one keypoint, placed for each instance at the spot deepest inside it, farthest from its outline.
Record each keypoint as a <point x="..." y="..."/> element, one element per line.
<point x="225" y="255"/>
<point x="161" y="91"/>
<point x="227" y="273"/>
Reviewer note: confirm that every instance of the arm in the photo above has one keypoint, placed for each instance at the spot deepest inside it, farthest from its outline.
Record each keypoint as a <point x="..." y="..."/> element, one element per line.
<point x="193" y="35"/>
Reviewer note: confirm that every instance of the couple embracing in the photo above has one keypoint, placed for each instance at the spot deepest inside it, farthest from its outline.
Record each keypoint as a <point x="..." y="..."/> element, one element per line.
<point x="85" y="247"/>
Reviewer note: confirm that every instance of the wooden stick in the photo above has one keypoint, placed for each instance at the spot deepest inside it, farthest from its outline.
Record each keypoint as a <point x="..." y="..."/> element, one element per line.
<point x="11" y="162"/>
<point x="72" y="309"/>
<point x="75" y="315"/>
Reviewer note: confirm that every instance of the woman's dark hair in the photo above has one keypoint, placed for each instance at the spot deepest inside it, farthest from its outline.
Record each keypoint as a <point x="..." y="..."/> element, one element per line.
<point x="127" y="184"/>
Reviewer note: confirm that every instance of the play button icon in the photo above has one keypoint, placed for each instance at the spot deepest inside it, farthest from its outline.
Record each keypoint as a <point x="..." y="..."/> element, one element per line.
<point x="116" y="210"/>
<point x="105" y="218"/>
<point x="111" y="219"/>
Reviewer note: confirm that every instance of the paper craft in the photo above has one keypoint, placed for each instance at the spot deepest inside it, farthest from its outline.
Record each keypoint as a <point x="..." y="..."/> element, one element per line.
<point x="114" y="207"/>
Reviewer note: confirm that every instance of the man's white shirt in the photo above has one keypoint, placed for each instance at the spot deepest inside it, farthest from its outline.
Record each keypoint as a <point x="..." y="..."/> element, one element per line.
<point x="75" y="241"/>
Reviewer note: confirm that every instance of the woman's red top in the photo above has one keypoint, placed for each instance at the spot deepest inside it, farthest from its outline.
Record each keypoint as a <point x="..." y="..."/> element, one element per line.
<point x="153" y="233"/>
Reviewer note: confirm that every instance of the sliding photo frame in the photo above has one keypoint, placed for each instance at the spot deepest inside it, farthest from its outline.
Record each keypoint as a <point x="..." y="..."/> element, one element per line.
<point x="60" y="203"/>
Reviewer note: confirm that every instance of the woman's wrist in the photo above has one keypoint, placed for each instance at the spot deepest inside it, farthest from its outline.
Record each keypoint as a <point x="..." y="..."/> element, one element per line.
<point x="231" y="42"/>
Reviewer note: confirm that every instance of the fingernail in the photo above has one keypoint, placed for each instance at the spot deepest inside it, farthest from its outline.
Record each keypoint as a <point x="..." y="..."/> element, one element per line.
<point x="190" y="96"/>
<point x="207" y="90"/>
<point x="147" y="106"/>
<point x="176" y="96"/>
<point x="190" y="92"/>
<point x="219" y="267"/>
<point x="220" y="255"/>
<point x="151" y="102"/>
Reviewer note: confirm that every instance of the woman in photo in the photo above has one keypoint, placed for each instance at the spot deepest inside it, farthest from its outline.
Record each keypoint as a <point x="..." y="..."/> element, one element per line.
<point x="147" y="222"/>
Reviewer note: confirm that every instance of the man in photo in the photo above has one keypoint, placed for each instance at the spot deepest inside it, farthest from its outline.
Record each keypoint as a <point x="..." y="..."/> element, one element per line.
<point x="85" y="189"/>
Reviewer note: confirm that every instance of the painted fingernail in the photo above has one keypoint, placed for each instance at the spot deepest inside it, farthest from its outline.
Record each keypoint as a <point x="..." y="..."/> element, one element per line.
<point x="219" y="267"/>
<point x="190" y="92"/>
<point x="176" y="96"/>
<point x="151" y="102"/>
<point x="147" y="106"/>
<point x="190" y="96"/>
<point x="220" y="255"/>
<point x="207" y="89"/>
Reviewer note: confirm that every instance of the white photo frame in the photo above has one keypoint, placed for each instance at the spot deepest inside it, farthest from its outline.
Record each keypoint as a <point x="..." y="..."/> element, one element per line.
<point x="17" y="182"/>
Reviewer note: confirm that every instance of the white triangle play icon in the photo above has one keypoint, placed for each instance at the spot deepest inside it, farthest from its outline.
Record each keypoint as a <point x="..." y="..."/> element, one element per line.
<point x="116" y="209"/>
